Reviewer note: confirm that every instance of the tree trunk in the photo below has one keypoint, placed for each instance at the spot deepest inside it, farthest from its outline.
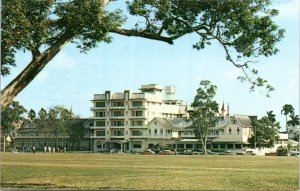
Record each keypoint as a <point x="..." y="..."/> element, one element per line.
<point x="37" y="63"/>
<point x="204" y="145"/>
<point x="4" y="143"/>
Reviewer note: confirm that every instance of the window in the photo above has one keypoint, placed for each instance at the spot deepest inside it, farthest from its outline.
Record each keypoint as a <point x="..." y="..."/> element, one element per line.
<point x="149" y="131"/>
<point x="100" y="113"/>
<point x="137" y="133"/>
<point x="155" y="123"/>
<point x="137" y="144"/>
<point x="100" y="123"/>
<point x="100" y="104"/>
<point x="137" y="113"/>
<point x="137" y="103"/>
<point x="100" y="133"/>
<point x="137" y="123"/>
<point x="155" y="131"/>
<point x="222" y="131"/>
<point x="107" y="123"/>
<point x="118" y="113"/>
<point x="118" y="104"/>
<point x="238" y="131"/>
<point x="118" y="133"/>
<point x="229" y="131"/>
<point x="234" y="121"/>
<point x="169" y="131"/>
<point x="117" y="123"/>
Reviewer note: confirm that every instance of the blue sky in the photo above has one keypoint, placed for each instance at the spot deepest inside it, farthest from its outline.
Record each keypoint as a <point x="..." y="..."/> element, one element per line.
<point x="72" y="78"/>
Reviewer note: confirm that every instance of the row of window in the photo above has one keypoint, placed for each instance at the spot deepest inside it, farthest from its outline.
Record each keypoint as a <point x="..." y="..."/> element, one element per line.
<point x="120" y="104"/>
<point x="118" y="113"/>
<point x="119" y="133"/>
<point x="133" y="133"/>
<point x="45" y="134"/>
<point x="223" y="131"/>
<point x="118" y="123"/>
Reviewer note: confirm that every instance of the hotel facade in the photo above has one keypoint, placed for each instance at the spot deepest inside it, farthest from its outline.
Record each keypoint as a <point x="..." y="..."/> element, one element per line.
<point x="133" y="121"/>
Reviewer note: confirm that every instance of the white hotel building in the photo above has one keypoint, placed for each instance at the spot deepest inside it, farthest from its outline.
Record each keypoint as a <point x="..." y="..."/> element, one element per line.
<point x="132" y="122"/>
<point x="121" y="119"/>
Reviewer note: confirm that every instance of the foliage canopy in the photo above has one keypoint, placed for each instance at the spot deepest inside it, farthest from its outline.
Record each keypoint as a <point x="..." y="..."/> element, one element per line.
<point x="243" y="28"/>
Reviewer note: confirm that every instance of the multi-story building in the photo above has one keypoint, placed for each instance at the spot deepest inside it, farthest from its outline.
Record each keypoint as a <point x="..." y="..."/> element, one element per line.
<point x="121" y="119"/>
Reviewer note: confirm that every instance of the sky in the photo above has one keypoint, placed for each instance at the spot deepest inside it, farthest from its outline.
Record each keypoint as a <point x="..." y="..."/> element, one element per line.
<point x="126" y="63"/>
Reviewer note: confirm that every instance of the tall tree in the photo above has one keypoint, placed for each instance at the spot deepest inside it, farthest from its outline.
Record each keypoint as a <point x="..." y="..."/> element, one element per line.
<point x="204" y="109"/>
<point x="11" y="116"/>
<point x="244" y="29"/>
<point x="53" y="122"/>
<point x="265" y="131"/>
<point x="286" y="110"/>
<point x="31" y="114"/>
<point x="42" y="114"/>
<point x="294" y="120"/>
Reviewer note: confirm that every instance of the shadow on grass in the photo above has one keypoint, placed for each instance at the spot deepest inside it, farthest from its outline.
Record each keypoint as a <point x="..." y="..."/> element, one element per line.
<point x="32" y="186"/>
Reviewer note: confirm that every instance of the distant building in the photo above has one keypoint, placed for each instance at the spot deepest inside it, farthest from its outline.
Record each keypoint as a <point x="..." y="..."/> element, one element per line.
<point x="75" y="136"/>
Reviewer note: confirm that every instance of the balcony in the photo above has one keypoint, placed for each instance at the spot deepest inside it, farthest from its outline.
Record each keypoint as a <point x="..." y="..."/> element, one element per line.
<point x="117" y="127"/>
<point x="138" y="127"/>
<point x="138" y="136"/>
<point x="97" y="108"/>
<point x="117" y="107"/>
<point x="137" y="96"/>
<point x="98" y="117"/>
<point x="138" y="117"/>
<point x="137" y="107"/>
<point x="118" y="96"/>
<point x="117" y="117"/>
<point x="99" y="96"/>
<point x="97" y="127"/>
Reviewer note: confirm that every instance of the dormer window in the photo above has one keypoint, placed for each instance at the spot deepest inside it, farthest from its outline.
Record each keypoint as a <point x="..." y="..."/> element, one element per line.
<point x="234" y="121"/>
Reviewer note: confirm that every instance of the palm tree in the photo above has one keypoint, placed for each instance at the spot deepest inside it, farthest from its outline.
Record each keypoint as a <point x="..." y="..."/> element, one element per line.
<point x="287" y="109"/>
<point x="294" y="121"/>
<point x="271" y="116"/>
<point x="31" y="114"/>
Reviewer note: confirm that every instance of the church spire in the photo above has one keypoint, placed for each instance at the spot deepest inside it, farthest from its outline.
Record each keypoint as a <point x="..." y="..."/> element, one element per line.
<point x="228" y="108"/>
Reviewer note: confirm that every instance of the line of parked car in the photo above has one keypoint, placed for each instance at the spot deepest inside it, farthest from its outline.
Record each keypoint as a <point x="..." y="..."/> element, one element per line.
<point x="183" y="152"/>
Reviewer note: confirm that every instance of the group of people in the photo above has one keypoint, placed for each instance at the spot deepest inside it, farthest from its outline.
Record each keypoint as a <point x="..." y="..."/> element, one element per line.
<point x="49" y="149"/>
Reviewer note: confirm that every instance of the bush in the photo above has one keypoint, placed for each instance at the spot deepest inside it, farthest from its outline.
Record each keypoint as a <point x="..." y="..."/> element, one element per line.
<point x="282" y="151"/>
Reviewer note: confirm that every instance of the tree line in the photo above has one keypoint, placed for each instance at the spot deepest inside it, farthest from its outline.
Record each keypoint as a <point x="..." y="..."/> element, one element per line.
<point x="55" y="122"/>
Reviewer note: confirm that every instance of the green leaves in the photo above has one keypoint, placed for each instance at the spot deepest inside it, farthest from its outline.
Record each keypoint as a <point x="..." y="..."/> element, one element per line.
<point x="204" y="110"/>
<point x="11" y="115"/>
<point x="265" y="130"/>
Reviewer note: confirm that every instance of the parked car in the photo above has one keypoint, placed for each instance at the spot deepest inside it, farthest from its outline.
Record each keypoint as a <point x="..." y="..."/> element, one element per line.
<point x="187" y="152"/>
<point x="148" y="152"/>
<point x="209" y="152"/>
<point x="197" y="151"/>
<point x="166" y="152"/>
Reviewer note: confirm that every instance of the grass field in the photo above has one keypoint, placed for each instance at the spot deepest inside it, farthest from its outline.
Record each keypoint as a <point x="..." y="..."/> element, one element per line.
<point x="59" y="171"/>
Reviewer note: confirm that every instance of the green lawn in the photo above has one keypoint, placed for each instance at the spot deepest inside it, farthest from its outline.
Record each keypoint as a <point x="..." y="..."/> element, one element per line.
<point x="114" y="171"/>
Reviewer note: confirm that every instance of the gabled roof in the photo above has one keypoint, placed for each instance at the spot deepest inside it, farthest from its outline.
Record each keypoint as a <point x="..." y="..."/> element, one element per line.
<point x="162" y="122"/>
<point x="241" y="120"/>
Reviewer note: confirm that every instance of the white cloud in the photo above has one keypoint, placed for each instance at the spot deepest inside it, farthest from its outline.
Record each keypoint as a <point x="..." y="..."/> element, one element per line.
<point x="288" y="9"/>
<point x="63" y="61"/>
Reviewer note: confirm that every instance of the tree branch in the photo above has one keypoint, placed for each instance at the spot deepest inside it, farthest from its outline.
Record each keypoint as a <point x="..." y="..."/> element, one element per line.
<point x="153" y="36"/>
